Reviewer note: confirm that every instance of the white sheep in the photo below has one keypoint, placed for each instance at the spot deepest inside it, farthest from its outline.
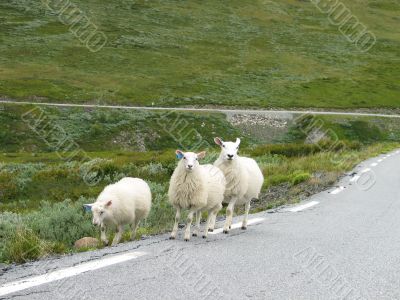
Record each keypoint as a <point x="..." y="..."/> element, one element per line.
<point x="197" y="188"/>
<point x="244" y="179"/>
<point x="125" y="202"/>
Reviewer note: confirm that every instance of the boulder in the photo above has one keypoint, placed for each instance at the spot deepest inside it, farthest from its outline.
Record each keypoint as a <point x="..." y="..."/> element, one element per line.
<point x="86" y="242"/>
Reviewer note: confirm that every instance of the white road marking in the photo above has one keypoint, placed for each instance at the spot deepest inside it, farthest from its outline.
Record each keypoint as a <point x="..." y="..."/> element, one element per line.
<point x="337" y="191"/>
<point x="238" y="225"/>
<point x="27" y="283"/>
<point x="355" y="178"/>
<point x="304" y="206"/>
<point x="374" y="164"/>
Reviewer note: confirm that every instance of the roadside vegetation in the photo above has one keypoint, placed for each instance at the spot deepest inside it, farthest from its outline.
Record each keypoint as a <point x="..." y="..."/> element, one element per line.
<point x="42" y="192"/>
<point x="256" y="53"/>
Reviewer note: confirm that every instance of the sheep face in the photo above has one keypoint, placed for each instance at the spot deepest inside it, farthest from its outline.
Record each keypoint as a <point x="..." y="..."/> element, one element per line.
<point x="229" y="150"/>
<point x="190" y="159"/>
<point x="101" y="212"/>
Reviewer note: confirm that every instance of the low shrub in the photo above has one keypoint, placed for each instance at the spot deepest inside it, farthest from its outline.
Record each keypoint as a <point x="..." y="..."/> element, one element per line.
<point x="8" y="225"/>
<point x="24" y="245"/>
<point x="162" y="213"/>
<point x="63" y="222"/>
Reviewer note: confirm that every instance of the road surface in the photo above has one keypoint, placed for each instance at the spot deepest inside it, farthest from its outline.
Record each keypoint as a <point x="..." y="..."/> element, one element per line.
<point x="222" y="110"/>
<point x="340" y="244"/>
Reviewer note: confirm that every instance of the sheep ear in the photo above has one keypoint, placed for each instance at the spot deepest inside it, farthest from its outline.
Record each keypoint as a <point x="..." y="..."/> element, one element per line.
<point x="238" y="141"/>
<point x="201" y="155"/>
<point x="109" y="202"/>
<point x="87" y="207"/>
<point x="179" y="154"/>
<point x="218" y="141"/>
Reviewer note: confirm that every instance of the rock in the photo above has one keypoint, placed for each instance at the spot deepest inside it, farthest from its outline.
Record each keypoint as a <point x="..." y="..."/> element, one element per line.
<point x="86" y="242"/>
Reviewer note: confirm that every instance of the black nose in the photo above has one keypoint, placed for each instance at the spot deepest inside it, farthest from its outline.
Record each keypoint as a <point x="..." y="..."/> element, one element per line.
<point x="230" y="155"/>
<point x="190" y="166"/>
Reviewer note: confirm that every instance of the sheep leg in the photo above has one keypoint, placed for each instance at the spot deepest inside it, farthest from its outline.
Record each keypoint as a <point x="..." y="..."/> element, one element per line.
<point x="118" y="235"/>
<point x="134" y="227"/>
<point x="209" y="219"/>
<point x="211" y="226"/>
<point x="246" y="215"/>
<point x="213" y="218"/>
<point x="188" y="224"/>
<point x="103" y="235"/>
<point x="197" y="228"/>
<point x="229" y="215"/>
<point x="175" y="229"/>
<point x="212" y="214"/>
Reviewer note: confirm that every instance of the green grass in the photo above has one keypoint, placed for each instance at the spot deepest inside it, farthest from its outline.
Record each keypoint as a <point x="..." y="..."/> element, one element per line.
<point x="41" y="210"/>
<point x="99" y="130"/>
<point x="237" y="53"/>
<point x="42" y="192"/>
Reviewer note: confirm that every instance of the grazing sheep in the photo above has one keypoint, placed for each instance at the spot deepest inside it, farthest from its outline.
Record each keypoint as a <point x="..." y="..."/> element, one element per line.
<point x="244" y="179"/>
<point x="127" y="201"/>
<point x="197" y="188"/>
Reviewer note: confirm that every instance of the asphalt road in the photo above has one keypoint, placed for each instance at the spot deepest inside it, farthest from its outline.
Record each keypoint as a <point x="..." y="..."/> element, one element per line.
<point x="340" y="244"/>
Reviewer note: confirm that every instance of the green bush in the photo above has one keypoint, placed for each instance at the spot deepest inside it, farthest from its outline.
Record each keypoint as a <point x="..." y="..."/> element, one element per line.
<point x="63" y="222"/>
<point x="24" y="245"/>
<point x="8" y="225"/>
<point x="289" y="150"/>
<point x="297" y="150"/>
<point x="162" y="213"/>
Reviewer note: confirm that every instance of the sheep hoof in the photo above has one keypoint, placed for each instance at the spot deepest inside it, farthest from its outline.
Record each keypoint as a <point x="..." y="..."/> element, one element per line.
<point x="186" y="240"/>
<point x="210" y="230"/>
<point x="171" y="237"/>
<point x="105" y="243"/>
<point x="204" y="237"/>
<point x="244" y="227"/>
<point x="230" y="227"/>
<point x="226" y="231"/>
<point x="194" y="234"/>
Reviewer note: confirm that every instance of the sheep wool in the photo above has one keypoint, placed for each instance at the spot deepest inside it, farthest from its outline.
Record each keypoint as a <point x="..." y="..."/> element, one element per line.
<point x="197" y="188"/>
<point x="244" y="179"/>
<point x="125" y="202"/>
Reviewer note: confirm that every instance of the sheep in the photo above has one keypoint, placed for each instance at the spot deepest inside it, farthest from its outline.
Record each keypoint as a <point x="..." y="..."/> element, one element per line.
<point x="125" y="202"/>
<point x="244" y="179"/>
<point x="197" y="188"/>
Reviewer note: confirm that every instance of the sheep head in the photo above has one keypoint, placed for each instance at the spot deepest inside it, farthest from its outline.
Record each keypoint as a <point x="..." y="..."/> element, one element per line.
<point x="101" y="211"/>
<point x="190" y="159"/>
<point x="229" y="150"/>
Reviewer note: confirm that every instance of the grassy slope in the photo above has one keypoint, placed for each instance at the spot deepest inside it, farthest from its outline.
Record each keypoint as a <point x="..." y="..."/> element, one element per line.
<point x="109" y="130"/>
<point x="245" y="53"/>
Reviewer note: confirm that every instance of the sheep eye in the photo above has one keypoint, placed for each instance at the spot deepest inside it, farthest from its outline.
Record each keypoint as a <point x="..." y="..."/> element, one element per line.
<point x="184" y="157"/>
<point x="223" y="146"/>
<point x="101" y="213"/>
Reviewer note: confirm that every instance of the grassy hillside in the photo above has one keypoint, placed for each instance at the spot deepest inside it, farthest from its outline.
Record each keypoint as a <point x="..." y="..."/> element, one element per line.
<point x="108" y="130"/>
<point x="242" y="53"/>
